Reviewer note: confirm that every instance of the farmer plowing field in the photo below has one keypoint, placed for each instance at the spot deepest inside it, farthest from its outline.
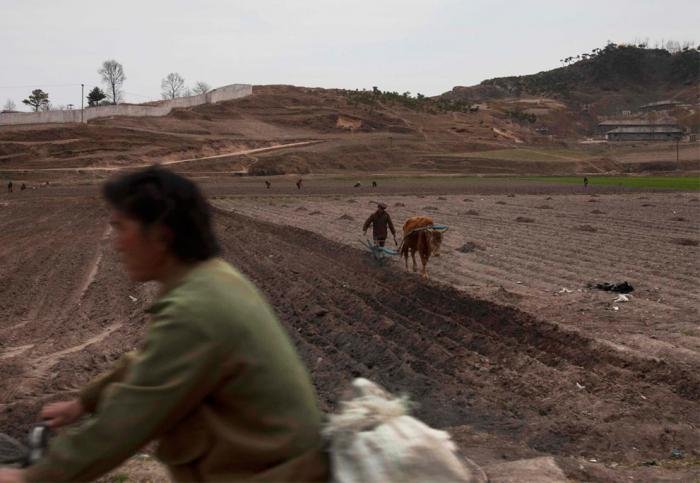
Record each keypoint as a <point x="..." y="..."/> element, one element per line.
<point x="380" y="221"/>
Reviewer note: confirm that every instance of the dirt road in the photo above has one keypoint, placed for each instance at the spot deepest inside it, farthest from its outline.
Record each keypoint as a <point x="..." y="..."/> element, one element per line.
<point x="242" y="152"/>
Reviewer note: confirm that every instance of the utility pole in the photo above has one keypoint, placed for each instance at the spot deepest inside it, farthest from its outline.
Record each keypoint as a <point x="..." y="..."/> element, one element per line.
<point x="82" y="101"/>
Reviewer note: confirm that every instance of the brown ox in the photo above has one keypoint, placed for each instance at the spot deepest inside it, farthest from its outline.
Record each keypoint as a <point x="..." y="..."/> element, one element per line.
<point x="426" y="242"/>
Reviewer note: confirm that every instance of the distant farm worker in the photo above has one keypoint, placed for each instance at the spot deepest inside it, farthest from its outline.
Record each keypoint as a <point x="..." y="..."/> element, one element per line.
<point x="585" y="181"/>
<point x="374" y="184"/>
<point x="23" y="187"/>
<point x="380" y="220"/>
<point x="299" y="184"/>
<point x="217" y="383"/>
<point x="267" y="184"/>
<point x="9" y="187"/>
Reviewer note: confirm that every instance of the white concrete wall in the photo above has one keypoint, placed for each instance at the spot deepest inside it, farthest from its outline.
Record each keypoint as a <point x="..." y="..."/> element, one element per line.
<point x="226" y="93"/>
<point x="233" y="91"/>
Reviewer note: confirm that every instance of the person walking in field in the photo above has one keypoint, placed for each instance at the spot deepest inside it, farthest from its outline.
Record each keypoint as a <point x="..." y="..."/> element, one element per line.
<point x="267" y="184"/>
<point x="217" y="383"/>
<point x="299" y="183"/>
<point x="9" y="187"/>
<point x="380" y="221"/>
<point x="585" y="181"/>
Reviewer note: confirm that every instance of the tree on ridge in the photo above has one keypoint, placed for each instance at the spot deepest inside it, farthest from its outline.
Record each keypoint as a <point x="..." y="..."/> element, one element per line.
<point x="38" y="100"/>
<point x="172" y="86"/>
<point x="113" y="76"/>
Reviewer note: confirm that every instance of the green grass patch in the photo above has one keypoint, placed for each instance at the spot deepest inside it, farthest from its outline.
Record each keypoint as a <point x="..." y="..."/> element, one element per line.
<point x="686" y="183"/>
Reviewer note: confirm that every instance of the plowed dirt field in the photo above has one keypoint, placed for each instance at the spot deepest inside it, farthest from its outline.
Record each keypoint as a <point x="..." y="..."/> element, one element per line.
<point x="513" y="369"/>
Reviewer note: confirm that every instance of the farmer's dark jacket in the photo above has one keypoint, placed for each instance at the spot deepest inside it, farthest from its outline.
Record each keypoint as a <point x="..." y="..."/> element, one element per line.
<point x="379" y="220"/>
<point x="217" y="384"/>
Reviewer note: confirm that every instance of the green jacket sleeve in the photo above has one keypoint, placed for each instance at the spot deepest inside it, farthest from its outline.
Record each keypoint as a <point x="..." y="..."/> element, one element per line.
<point x="90" y="394"/>
<point x="177" y="368"/>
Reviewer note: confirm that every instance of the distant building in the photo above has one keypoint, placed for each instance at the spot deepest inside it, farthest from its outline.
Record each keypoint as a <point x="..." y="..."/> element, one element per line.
<point x="659" y="106"/>
<point x="626" y="113"/>
<point x="605" y="127"/>
<point x="645" y="133"/>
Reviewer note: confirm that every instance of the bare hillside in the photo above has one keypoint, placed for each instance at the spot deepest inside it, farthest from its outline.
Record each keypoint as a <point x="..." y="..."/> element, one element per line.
<point x="286" y="129"/>
<point x="603" y="83"/>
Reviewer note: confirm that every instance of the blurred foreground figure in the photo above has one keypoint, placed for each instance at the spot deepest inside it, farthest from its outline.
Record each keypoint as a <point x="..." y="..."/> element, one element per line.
<point x="217" y="382"/>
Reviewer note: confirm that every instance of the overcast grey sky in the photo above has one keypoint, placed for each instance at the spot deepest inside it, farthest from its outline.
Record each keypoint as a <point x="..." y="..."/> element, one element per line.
<point x="403" y="45"/>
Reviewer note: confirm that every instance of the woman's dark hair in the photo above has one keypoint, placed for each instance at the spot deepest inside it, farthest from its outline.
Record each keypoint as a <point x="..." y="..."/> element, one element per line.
<point x="156" y="195"/>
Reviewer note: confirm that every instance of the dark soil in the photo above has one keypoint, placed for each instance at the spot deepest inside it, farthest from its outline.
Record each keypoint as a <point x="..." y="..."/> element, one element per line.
<point x="470" y="247"/>
<point x="688" y="242"/>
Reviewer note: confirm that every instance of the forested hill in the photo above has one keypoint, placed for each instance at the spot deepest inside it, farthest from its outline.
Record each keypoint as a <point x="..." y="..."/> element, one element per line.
<point x="648" y="73"/>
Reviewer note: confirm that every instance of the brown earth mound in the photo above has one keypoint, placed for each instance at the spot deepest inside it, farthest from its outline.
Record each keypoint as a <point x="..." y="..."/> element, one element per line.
<point x="469" y="247"/>
<point x="688" y="242"/>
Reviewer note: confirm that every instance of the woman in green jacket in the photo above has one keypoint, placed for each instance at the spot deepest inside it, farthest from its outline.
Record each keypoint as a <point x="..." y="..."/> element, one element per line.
<point x="217" y="382"/>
